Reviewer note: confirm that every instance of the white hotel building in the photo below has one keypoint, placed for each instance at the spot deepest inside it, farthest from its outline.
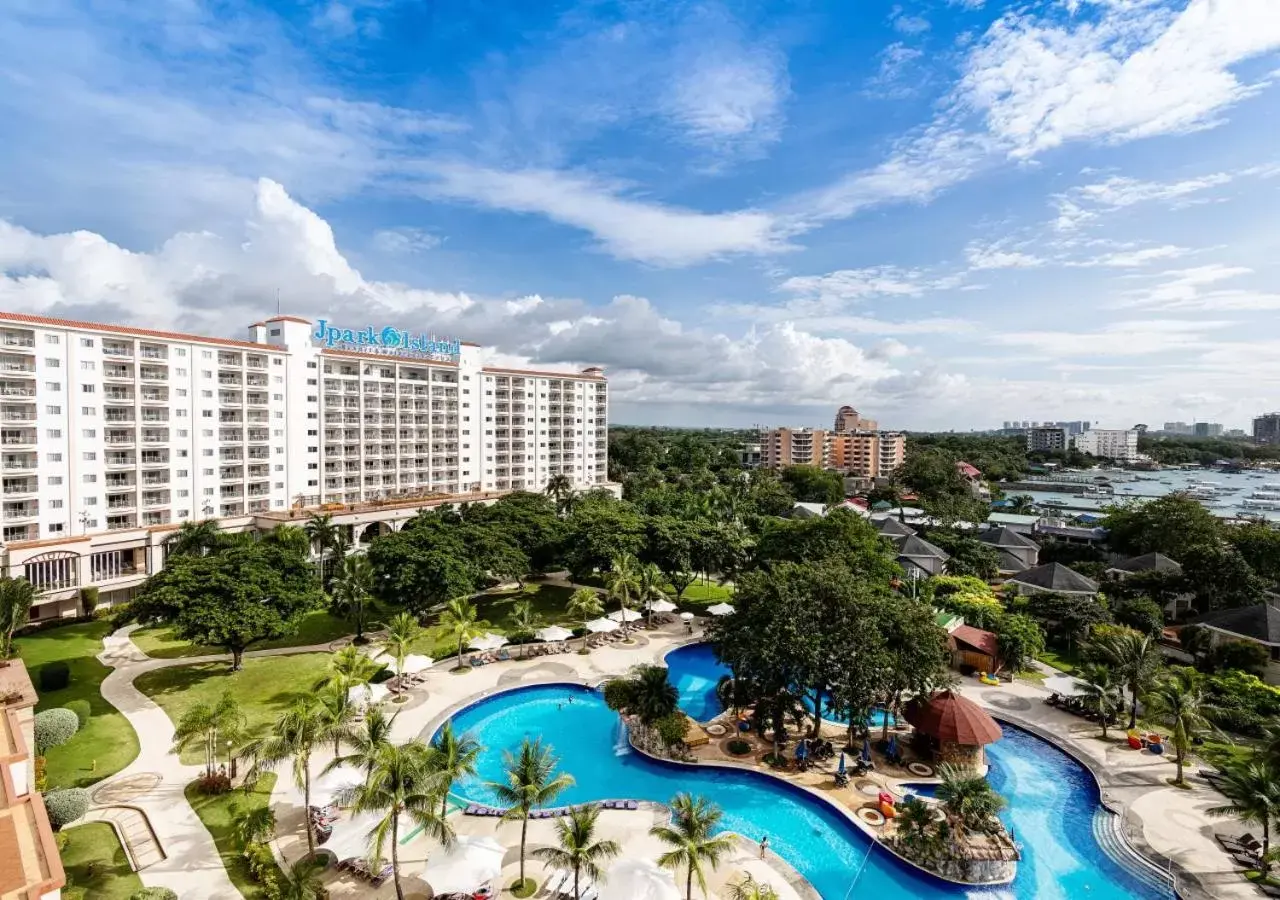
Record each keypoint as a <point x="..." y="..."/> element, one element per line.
<point x="112" y="437"/>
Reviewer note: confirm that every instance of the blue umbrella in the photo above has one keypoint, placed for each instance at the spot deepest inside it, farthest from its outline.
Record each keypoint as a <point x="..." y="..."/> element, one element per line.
<point x="801" y="751"/>
<point x="841" y="769"/>
<point x="866" y="750"/>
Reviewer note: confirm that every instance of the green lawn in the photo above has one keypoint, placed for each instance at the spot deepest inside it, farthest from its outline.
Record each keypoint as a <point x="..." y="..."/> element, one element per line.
<point x="107" y="743"/>
<point x="220" y="814"/>
<point x="318" y="627"/>
<point x="494" y="610"/>
<point x="265" y="687"/>
<point x="1061" y="659"/>
<point x="96" y="863"/>
<point x="699" y="594"/>
<point x="1220" y="754"/>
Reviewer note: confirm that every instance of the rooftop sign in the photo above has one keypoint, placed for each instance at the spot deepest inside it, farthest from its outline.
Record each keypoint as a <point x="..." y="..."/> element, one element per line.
<point x="389" y="340"/>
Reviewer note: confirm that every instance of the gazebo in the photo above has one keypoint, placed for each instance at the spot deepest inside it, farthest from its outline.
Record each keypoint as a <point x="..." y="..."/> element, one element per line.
<point x="956" y="727"/>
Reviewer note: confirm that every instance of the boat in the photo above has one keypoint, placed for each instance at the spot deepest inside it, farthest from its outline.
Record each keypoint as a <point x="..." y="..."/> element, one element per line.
<point x="1257" y="503"/>
<point x="1054" y="502"/>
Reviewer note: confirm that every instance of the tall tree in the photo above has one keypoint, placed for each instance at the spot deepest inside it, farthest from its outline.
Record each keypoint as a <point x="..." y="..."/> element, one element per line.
<point x="1133" y="657"/>
<point x="531" y="782"/>
<point x="244" y="593"/>
<point x="324" y="535"/>
<point x="968" y="800"/>
<point x="560" y="489"/>
<point x="1101" y="693"/>
<point x="301" y="880"/>
<point x="453" y="757"/>
<point x="209" y="726"/>
<point x="670" y="545"/>
<point x="461" y="622"/>
<point x="525" y="620"/>
<point x="1252" y="789"/>
<point x="403" y="631"/>
<point x="17" y="596"/>
<point x="645" y="691"/>
<point x="352" y="590"/>
<point x="750" y="889"/>
<point x="423" y="565"/>
<point x="584" y="604"/>
<point x="365" y="741"/>
<point x="692" y="839"/>
<point x="809" y="484"/>
<point x="578" y="850"/>
<point x="1178" y="702"/>
<point x="401" y="783"/>
<point x="194" y="539"/>
<point x="624" y="585"/>
<point x="1173" y="525"/>
<point x="649" y="588"/>
<point x="294" y="736"/>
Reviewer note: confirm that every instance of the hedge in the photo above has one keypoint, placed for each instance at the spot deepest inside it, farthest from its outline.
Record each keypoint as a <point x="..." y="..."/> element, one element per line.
<point x="55" y="727"/>
<point x="54" y="676"/>
<point x="65" y="806"/>
<point x="154" y="893"/>
<point x="82" y="710"/>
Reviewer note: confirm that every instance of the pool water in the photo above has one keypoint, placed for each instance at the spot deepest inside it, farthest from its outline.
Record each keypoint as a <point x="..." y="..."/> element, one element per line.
<point x="695" y="672"/>
<point x="1052" y="803"/>
<point x="920" y="789"/>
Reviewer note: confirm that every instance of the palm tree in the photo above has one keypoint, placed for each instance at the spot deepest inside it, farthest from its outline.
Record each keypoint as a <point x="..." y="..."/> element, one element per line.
<point x="295" y="735"/>
<point x="324" y="534"/>
<point x="256" y="825"/>
<point x="1178" y="702"/>
<point x="691" y="839"/>
<point x="208" y="726"/>
<point x="301" y="881"/>
<point x="916" y="821"/>
<point x="348" y="668"/>
<point x="194" y="539"/>
<point x="532" y="781"/>
<point x="290" y="537"/>
<point x="400" y="783"/>
<point x="525" y="620"/>
<point x="339" y="715"/>
<point x="649" y="588"/>
<point x="645" y="692"/>
<point x="352" y="588"/>
<point x="750" y="889"/>
<point x="17" y="596"/>
<point x="579" y="851"/>
<point x="560" y="489"/>
<point x="584" y="604"/>
<point x="402" y="632"/>
<point x="1197" y="641"/>
<point x="453" y="757"/>
<point x="624" y="584"/>
<point x="1022" y="504"/>
<point x="1101" y="693"/>
<point x="1133" y="658"/>
<point x="1253" y="789"/>
<point x="968" y="800"/>
<point x="364" y="742"/>
<point x="462" y="623"/>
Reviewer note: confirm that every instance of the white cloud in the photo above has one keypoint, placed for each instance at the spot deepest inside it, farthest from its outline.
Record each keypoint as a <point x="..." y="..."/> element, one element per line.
<point x="1132" y="259"/>
<point x="726" y="96"/>
<point x="1121" y="339"/>
<point x="995" y="256"/>
<point x="889" y="80"/>
<point x="858" y="284"/>
<point x="404" y="240"/>
<point x="1139" y="70"/>
<point x="906" y="23"/>
<point x="1185" y="290"/>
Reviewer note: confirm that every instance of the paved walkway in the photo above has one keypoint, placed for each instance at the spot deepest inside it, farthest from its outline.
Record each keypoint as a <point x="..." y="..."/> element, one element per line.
<point x="134" y="831"/>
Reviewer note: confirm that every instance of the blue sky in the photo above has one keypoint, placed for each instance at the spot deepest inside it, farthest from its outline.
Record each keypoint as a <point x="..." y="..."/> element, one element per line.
<point x="947" y="213"/>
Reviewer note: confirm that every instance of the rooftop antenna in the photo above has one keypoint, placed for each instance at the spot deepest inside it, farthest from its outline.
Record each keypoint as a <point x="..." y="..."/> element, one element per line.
<point x="277" y="301"/>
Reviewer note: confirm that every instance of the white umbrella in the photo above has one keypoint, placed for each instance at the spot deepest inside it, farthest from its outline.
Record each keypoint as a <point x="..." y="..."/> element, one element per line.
<point x="1064" y="685"/>
<point x="720" y="609"/>
<point x="600" y="626"/>
<point x="687" y="616"/>
<point x="367" y="693"/>
<point x="629" y="615"/>
<point x="553" y="633"/>
<point x="464" y="867"/>
<point x="488" y="641"/>
<point x="327" y="785"/>
<point x="414" y="662"/>
<point x="637" y="879"/>
<point x="662" y="606"/>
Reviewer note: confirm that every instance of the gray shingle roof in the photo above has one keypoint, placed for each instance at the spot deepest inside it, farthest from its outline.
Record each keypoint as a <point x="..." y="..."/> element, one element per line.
<point x="915" y="546"/>
<point x="1056" y="577"/>
<point x="1258" y="623"/>
<point x="1006" y="537"/>
<point x="1148" y="562"/>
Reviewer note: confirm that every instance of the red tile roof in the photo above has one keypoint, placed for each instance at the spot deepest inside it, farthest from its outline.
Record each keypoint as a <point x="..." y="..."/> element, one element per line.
<point x="982" y="641"/>
<point x="289" y="319"/>
<point x="538" y="374"/>
<point x="47" y="322"/>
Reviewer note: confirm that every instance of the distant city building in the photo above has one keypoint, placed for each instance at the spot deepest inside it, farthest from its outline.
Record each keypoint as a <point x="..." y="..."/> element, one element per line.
<point x="1177" y="428"/>
<point x="1266" y="429"/>
<point x="1047" y="439"/>
<point x="1207" y="429"/>
<point x="1234" y="433"/>
<point x="855" y="450"/>
<point x="847" y="419"/>
<point x="1075" y="427"/>
<point x="750" y="455"/>
<point x="1120" y="444"/>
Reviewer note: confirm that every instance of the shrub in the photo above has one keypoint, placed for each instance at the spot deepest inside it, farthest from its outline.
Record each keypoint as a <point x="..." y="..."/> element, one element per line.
<point x="65" y="806"/>
<point x="88" y="600"/>
<point x="74" y="893"/>
<point x="617" y="694"/>
<point x="1242" y="655"/>
<point x="41" y="774"/>
<point x="383" y="674"/>
<point x="260" y="861"/>
<point x="82" y="710"/>
<point x="54" y="676"/>
<point x="55" y="727"/>
<point x="672" y="728"/>
<point x="154" y="893"/>
<point x="738" y="747"/>
<point x="217" y="783"/>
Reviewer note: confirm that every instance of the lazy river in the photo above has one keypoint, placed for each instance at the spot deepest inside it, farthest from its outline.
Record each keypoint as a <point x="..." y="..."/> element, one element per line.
<point x="1052" y="803"/>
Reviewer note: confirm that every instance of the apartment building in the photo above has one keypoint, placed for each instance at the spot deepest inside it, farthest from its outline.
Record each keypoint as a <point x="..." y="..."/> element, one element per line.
<point x="1046" y="438"/>
<point x="111" y="437"/>
<point x="1266" y="428"/>
<point x="870" y="454"/>
<point x="1120" y="444"/>
<point x="848" y="419"/>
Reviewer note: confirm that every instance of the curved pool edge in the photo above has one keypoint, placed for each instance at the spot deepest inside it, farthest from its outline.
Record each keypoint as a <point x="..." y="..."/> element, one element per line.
<point x="1163" y="867"/>
<point x="434" y="726"/>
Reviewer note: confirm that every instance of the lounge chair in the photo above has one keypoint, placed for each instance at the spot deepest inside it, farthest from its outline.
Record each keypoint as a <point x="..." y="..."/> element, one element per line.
<point x="504" y="656"/>
<point x="631" y="804"/>
<point x="1269" y="890"/>
<point x="1245" y="861"/>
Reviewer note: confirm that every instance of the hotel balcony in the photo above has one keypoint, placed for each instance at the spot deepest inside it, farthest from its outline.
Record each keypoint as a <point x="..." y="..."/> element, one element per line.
<point x="255" y="380"/>
<point x="257" y="398"/>
<point x="122" y="501"/>
<point x="121" y="416"/>
<point x="20" y="462"/>
<point x="155" y="416"/>
<point x="17" y="487"/>
<point x="230" y="417"/>
<point x="256" y="506"/>
<point x="120" y="480"/>
<point x="155" y="457"/>
<point x="20" y="341"/>
<point x="155" y="498"/>
<point x="232" y="435"/>
<point x="14" y="533"/>
<point x="155" y="435"/>
<point x="229" y="381"/>
<point x="16" y="366"/>
<point x="256" y="362"/>
<point x="17" y="437"/>
<point x="259" y="434"/>
<point x="156" y="517"/>
<point x="231" y="473"/>
<point x="17" y="413"/>
<point x="117" y="394"/>
<point x="153" y="353"/>
<point x="117" y="371"/>
<point x="232" y="509"/>
<point x="230" y="398"/>
<point x="230" y="454"/>
<point x="115" y="460"/>
<point x="259" y="453"/>
<point x="226" y="358"/>
<point x="153" y="373"/>
<point x="117" y="348"/>
<point x="231" y="491"/>
<point x="155" y="479"/>
<point x="259" y="491"/>
<point x="118" y="522"/>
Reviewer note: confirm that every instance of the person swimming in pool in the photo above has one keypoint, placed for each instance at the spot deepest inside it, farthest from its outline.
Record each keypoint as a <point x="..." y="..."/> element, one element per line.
<point x="764" y="845"/>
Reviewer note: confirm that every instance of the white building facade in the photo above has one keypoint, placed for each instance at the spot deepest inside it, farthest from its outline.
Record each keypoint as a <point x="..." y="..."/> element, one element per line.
<point x="1120" y="444"/>
<point x="112" y="437"/>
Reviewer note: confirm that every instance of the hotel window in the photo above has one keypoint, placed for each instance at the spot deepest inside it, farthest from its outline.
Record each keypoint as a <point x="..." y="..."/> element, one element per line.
<point x="207" y="471"/>
<point x="183" y="492"/>
<point x="182" y="514"/>
<point x="181" y="373"/>
<point x="88" y="479"/>
<point x="279" y="468"/>
<point x="53" y="480"/>
<point x="55" y="528"/>
<point x="55" y="504"/>
<point x="205" y="373"/>
<point x="90" y="501"/>
<point x="182" y="432"/>
<point x="53" y="410"/>
<point x="86" y="342"/>
<point x="206" y="394"/>
<point x="112" y="564"/>
<point x="88" y="410"/>
<point x="180" y="352"/>
<point x="52" y="339"/>
<point x="53" y="363"/>
<point x="55" y="457"/>
<point x="86" y="389"/>
<point x="182" y="392"/>
<point x="53" y="385"/>
<point x="89" y="432"/>
<point x="54" y="433"/>
<point x="206" y="354"/>
<point x="181" y="473"/>
<point x="88" y="365"/>
<point x="206" y="452"/>
<point x="53" y="571"/>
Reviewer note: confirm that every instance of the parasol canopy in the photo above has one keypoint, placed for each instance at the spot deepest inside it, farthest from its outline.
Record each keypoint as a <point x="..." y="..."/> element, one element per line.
<point x="487" y="642"/>
<point x="687" y="616"/>
<point x="601" y="626"/>
<point x="720" y="609"/>
<point x="951" y="718"/>
<point x="629" y="615"/>
<point x="662" y="606"/>
<point x="553" y="633"/>
<point x="472" y="861"/>
<point x="637" y="879"/>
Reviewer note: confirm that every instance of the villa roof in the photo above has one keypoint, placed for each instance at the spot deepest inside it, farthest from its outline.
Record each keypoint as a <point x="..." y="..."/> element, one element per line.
<point x="1057" y="578"/>
<point x="950" y="718"/>
<point x="982" y="641"/>
<point x="915" y="547"/>
<point x="1148" y="562"/>
<point x="891" y="527"/>
<point x="1006" y="537"/>
<point x="1260" y="623"/>
<point x="968" y="470"/>
<point x="998" y="518"/>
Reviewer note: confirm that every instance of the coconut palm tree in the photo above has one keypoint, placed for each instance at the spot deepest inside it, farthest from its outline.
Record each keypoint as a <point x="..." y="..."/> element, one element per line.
<point x="1253" y="789"/>
<point x="584" y="604"/>
<point x="1178" y="702"/>
<point x="531" y="781"/>
<point x="194" y="539"/>
<point x="645" y="692"/>
<point x="579" y="851"/>
<point x="462" y="623"/>
<point x="750" y="889"/>
<point x="1022" y="504"/>
<point x="258" y="824"/>
<point x="301" y="881"/>
<point x="1101" y="693"/>
<point x="17" y="596"/>
<point x="348" y="667"/>
<point x="400" y="783"/>
<point x="1134" y="658"/>
<point x="453" y="757"/>
<point x="325" y="536"/>
<point x="623" y="582"/>
<point x="692" y="840"/>
<point x="649" y="588"/>
<point x="295" y="735"/>
<point x="525" y="620"/>
<point x="560" y="489"/>
<point x="289" y="537"/>
<point x="209" y="726"/>
<point x="364" y="742"/>
<point x="916" y="821"/>
<point x="968" y="799"/>
<point x="339" y="715"/>
<point x="352" y="589"/>
<point x="402" y="632"/>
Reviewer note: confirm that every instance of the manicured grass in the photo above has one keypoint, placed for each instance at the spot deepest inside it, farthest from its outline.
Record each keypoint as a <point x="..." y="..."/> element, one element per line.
<point x="220" y="814"/>
<point x="265" y="687"/>
<point x="107" y="742"/>
<point x="96" y="863"/>
<point x="1061" y="659"/>
<point x="318" y="627"/>
<point x="708" y="594"/>
<point x="1221" y="754"/>
<point x="494" y="611"/>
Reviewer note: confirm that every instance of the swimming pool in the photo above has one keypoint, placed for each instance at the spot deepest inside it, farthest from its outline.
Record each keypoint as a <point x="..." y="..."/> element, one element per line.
<point x="695" y="672"/>
<point x="1052" y="803"/>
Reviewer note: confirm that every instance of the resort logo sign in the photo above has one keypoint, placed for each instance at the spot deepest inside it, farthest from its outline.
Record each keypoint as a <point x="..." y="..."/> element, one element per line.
<point x="389" y="340"/>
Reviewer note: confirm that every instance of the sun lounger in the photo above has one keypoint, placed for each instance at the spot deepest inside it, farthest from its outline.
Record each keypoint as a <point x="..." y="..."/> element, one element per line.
<point x="504" y="656"/>
<point x="1244" y="861"/>
<point x="632" y="804"/>
<point x="1269" y="890"/>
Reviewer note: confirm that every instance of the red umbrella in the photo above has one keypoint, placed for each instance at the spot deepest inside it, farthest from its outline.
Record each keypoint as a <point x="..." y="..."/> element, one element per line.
<point x="951" y="718"/>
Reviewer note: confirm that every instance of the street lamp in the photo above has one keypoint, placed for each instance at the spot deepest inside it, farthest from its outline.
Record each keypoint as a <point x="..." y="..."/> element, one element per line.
<point x="232" y="760"/>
